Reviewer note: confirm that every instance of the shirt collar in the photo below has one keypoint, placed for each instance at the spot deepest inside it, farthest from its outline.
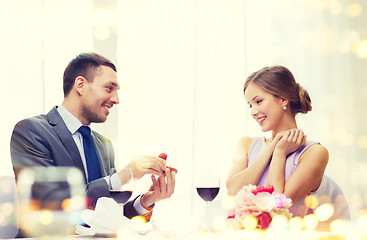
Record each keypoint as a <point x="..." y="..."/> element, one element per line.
<point x="71" y="122"/>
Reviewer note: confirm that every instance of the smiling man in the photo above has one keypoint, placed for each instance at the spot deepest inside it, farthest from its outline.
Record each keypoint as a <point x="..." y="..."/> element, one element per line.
<point x="60" y="137"/>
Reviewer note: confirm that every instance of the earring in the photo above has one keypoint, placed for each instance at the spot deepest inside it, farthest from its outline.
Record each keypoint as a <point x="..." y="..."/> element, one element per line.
<point x="284" y="108"/>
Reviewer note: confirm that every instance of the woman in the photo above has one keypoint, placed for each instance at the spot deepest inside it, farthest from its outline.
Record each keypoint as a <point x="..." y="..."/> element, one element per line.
<point x="286" y="160"/>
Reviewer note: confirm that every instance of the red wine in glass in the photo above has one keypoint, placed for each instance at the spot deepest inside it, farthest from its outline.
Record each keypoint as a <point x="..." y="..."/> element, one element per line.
<point x="123" y="193"/>
<point x="120" y="196"/>
<point x="207" y="193"/>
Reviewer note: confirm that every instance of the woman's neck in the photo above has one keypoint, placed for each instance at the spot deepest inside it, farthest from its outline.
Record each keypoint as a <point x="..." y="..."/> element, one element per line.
<point x="291" y="124"/>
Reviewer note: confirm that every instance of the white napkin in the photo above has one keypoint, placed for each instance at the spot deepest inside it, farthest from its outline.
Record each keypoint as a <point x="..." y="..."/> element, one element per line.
<point x="107" y="218"/>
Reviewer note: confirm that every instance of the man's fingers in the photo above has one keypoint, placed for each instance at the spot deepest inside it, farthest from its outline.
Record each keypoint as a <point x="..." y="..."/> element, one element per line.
<point x="162" y="185"/>
<point x="170" y="183"/>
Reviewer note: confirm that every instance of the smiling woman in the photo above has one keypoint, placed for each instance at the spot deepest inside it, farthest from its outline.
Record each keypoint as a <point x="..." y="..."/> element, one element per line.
<point x="287" y="161"/>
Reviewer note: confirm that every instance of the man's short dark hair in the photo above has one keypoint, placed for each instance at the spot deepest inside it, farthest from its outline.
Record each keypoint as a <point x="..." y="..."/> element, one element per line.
<point x="85" y="65"/>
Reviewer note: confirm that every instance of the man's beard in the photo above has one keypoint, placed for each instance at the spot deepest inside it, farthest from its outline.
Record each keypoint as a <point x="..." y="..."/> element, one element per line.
<point x="90" y="115"/>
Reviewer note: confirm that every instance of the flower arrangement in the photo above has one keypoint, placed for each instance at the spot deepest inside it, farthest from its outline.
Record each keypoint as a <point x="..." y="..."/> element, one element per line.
<point x="260" y="202"/>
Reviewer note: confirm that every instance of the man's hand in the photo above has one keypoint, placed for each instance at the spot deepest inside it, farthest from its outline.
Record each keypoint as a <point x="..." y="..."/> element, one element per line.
<point x="162" y="188"/>
<point x="142" y="165"/>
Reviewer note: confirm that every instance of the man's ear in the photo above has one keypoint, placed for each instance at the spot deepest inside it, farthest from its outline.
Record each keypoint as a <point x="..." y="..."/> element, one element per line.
<point x="80" y="84"/>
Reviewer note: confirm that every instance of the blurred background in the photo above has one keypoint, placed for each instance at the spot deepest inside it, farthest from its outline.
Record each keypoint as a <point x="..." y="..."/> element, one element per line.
<point x="182" y="65"/>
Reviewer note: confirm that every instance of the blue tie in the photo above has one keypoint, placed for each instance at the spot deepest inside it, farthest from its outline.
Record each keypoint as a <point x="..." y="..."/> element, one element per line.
<point x="93" y="166"/>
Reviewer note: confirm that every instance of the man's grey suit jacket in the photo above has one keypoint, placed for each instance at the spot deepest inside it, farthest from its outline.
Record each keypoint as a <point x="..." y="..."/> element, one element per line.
<point x="44" y="140"/>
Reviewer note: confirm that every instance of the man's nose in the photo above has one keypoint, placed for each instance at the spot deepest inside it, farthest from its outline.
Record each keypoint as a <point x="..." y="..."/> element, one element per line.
<point x="115" y="98"/>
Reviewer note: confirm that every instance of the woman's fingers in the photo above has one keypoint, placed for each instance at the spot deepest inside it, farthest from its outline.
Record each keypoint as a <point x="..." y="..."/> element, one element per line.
<point x="292" y="135"/>
<point x="300" y="138"/>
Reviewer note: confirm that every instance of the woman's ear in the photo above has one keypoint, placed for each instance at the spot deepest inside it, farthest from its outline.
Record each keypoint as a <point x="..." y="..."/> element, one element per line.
<point x="284" y="102"/>
<point x="80" y="84"/>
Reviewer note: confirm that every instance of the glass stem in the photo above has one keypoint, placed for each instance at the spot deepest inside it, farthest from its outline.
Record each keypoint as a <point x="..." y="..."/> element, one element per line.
<point x="209" y="217"/>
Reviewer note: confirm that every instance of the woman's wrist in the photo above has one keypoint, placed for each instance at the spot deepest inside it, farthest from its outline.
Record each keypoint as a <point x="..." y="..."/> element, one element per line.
<point x="278" y="152"/>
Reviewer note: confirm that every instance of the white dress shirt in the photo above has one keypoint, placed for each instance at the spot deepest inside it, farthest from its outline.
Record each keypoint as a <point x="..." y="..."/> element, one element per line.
<point x="73" y="124"/>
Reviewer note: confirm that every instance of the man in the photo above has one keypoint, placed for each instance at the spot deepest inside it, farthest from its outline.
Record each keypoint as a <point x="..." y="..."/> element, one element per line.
<point x="56" y="139"/>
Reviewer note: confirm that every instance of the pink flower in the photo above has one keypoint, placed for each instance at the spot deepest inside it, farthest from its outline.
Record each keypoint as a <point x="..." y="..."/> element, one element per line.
<point x="268" y="188"/>
<point x="264" y="201"/>
<point x="260" y="202"/>
<point x="282" y="201"/>
<point x="264" y="220"/>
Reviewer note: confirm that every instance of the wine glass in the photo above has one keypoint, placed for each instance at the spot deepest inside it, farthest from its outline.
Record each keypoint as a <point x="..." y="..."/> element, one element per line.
<point x="50" y="200"/>
<point x="207" y="186"/>
<point x="123" y="193"/>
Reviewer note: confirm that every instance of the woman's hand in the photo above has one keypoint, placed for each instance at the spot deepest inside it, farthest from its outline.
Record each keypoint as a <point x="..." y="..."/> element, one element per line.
<point x="289" y="141"/>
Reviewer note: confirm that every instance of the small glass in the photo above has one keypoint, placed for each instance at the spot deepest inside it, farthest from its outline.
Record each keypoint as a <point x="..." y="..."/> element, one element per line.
<point x="51" y="200"/>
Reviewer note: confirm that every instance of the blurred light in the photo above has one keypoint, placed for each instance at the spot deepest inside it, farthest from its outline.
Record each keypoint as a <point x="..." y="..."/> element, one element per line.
<point x="341" y="201"/>
<point x="74" y="176"/>
<point x="46" y="217"/>
<point x="279" y="222"/>
<point x="296" y="224"/>
<point x="362" y="222"/>
<point x="335" y="7"/>
<point x="362" y="141"/>
<point x="105" y="18"/>
<point x="324" y="212"/>
<point x="5" y="188"/>
<point x="311" y="201"/>
<point x="137" y="222"/>
<point x="7" y="209"/>
<point x="353" y="36"/>
<point x="339" y="227"/>
<point x="306" y="38"/>
<point x="353" y="10"/>
<point x="198" y="235"/>
<point x="122" y="233"/>
<point x="3" y="220"/>
<point x="310" y="221"/>
<point x="361" y="49"/>
<point x="317" y="5"/>
<point x="324" y="199"/>
<point x="65" y="205"/>
<point x="249" y="222"/>
<point x="344" y="46"/>
<point x="348" y="140"/>
<point x="220" y="223"/>
<point x="102" y="33"/>
<point x="354" y="178"/>
<point x="76" y="203"/>
<point x="344" y="137"/>
<point x="356" y="200"/>
<point x="74" y="218"/>
<point x="228" y="202"/>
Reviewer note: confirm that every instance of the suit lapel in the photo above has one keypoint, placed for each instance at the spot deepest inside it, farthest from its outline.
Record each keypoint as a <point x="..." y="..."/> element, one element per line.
<point x="100" y="148"/>
<point x="66" y="138"/>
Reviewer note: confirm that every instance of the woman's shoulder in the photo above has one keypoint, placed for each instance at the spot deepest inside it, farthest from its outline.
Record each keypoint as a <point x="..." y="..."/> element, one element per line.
<point x="247" y="143"/>
<point x="245" y="140"/>
<point x="316" y="151"/>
